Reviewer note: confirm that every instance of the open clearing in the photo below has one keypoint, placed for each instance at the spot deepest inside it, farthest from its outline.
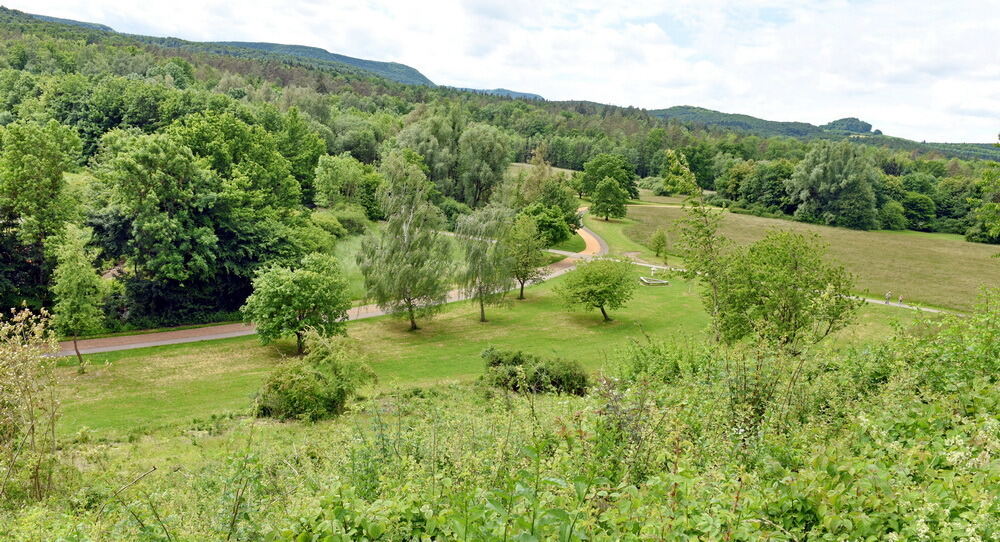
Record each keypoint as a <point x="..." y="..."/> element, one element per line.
<point x="935" y="270"/>
<point x="145" y="389"/>
<point x="518" y="167"/>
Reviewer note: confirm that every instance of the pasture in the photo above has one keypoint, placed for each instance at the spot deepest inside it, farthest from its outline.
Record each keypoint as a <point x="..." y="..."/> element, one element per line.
<point x="932" y="269"/>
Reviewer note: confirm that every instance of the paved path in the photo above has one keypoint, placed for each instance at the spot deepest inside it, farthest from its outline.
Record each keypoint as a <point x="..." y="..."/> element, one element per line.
<point x="595" y="246"/>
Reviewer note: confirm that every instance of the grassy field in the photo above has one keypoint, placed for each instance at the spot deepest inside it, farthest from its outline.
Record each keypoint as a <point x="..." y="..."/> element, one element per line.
<point x="647" y="196"/>
<point x="346" y="252"/>
<point x="573" y="244"/>
<point x="518" y="167"/>
<point x="146" y="389"/>
<point x="619" y="243"/>
<point x="932" y="269"/>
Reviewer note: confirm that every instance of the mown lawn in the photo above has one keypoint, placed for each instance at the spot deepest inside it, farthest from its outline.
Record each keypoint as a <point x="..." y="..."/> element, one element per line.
<point x="573" y="244"/>
<point x="145" y="389"/>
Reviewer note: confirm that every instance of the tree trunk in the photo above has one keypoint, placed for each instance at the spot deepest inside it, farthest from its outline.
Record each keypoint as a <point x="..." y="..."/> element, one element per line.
<point x="299" y="343"/>
<point x="79" y="358"/>
<point x="522" y="290"/>
<point x="605" y="313"/>
<point x="413" y="319"/>
<point x="482" y="310"/>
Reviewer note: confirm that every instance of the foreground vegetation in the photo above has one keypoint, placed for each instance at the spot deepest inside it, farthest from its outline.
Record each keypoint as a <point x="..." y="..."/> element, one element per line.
<point x="878" y="442"/>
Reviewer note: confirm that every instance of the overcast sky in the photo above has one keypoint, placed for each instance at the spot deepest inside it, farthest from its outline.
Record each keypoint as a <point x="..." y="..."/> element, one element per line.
<point x="921" y="69"/>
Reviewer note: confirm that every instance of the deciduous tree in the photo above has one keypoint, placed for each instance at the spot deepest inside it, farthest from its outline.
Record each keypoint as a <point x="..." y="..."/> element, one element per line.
<point x="609" y="199"/>
<point x="780" y="292"/>
<point x="287" y="301"/>
<point x="658" y="242"/>
<point x="833" y="185"/>
<point x="525" y="243"/>
<point x="77" y="288"/>
<point x="488" y="272"/>
<point x="607" y="165"/>
<point x="407" y="265"/>
<point x="483" y="157"/>
<point x="603" y="284"/>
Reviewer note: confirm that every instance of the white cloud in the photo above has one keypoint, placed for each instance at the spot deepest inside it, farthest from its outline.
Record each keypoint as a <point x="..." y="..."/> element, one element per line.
<point x="923" y="69"/>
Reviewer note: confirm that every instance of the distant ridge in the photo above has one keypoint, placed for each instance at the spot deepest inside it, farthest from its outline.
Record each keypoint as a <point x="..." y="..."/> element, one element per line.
<point x="761" y="127"/>
<point x="504" y="92"/>
<point x="390" y="70"/>
<point x="93" y="26"/>
<point x="317" y="58"/>
<point x="851" y="128"/>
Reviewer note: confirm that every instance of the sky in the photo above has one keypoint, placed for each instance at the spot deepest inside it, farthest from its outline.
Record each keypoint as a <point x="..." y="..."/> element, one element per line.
<point x="927" y="70"/>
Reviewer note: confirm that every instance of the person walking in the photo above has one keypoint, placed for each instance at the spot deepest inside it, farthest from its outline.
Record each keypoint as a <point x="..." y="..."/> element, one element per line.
<point x="888" y="297"/>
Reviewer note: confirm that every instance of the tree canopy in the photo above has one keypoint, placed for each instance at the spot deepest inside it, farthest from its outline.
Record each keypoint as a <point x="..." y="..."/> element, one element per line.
<point x="407" y="265"/>
<point x="833" y="185"/>
<point x="289" y="301"/>
<point x="602" y="284"/>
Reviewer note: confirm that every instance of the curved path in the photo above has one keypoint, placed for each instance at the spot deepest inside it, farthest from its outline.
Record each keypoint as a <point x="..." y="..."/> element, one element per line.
<point x="595" y="246"/>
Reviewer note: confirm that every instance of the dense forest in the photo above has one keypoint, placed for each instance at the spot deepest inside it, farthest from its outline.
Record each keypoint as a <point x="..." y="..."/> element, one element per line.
<point x="192" y="168"/>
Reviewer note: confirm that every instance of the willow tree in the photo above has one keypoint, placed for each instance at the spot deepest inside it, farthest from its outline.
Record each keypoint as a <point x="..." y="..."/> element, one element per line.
<point x="489" y="264"/>
<point x="407" y="265"/>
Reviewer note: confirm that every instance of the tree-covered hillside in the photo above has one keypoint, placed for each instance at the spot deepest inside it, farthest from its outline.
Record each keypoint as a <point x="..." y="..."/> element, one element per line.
<point x="94" y="26"/>
<point x="390" y="70"/>
<point x="853" y="128"/>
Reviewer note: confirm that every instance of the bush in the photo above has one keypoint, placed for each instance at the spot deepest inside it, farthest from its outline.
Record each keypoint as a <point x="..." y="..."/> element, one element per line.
<point x="316" y="386"/>
<point x="892" y="216"/>
<point x="328" y="222"/>
<point x="659" y="362"/>
<point x="717" y="200"/>
<point x="453" y="209"/>
<point x="521" y="372"/>
<point x="551" y="223"/>
<point x="352" y="217"/>
<point x="650" y="183"/>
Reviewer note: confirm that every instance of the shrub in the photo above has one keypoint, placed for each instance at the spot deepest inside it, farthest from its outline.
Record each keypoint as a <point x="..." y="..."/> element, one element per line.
<point x="316" y="386"/>
<point x="658" y="362"/>
<point x="650" y="183"/>
<point x="522" y="372"/>
<point x="453" y="209"/>
<point x="551" y="223"/>
<point x="892" y="216"/>
<point x="329" y="223"/>
<point x="352" y="217"/>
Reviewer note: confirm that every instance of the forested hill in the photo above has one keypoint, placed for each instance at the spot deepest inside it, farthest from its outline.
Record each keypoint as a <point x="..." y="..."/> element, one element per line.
<point x="390" y="70"/>
<point x="504" y="92"/>
<point x="93" y="26"/>
<point x="299" y="54"/>
<point x="852" y="128"/>
<point x="761" y="127"/>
